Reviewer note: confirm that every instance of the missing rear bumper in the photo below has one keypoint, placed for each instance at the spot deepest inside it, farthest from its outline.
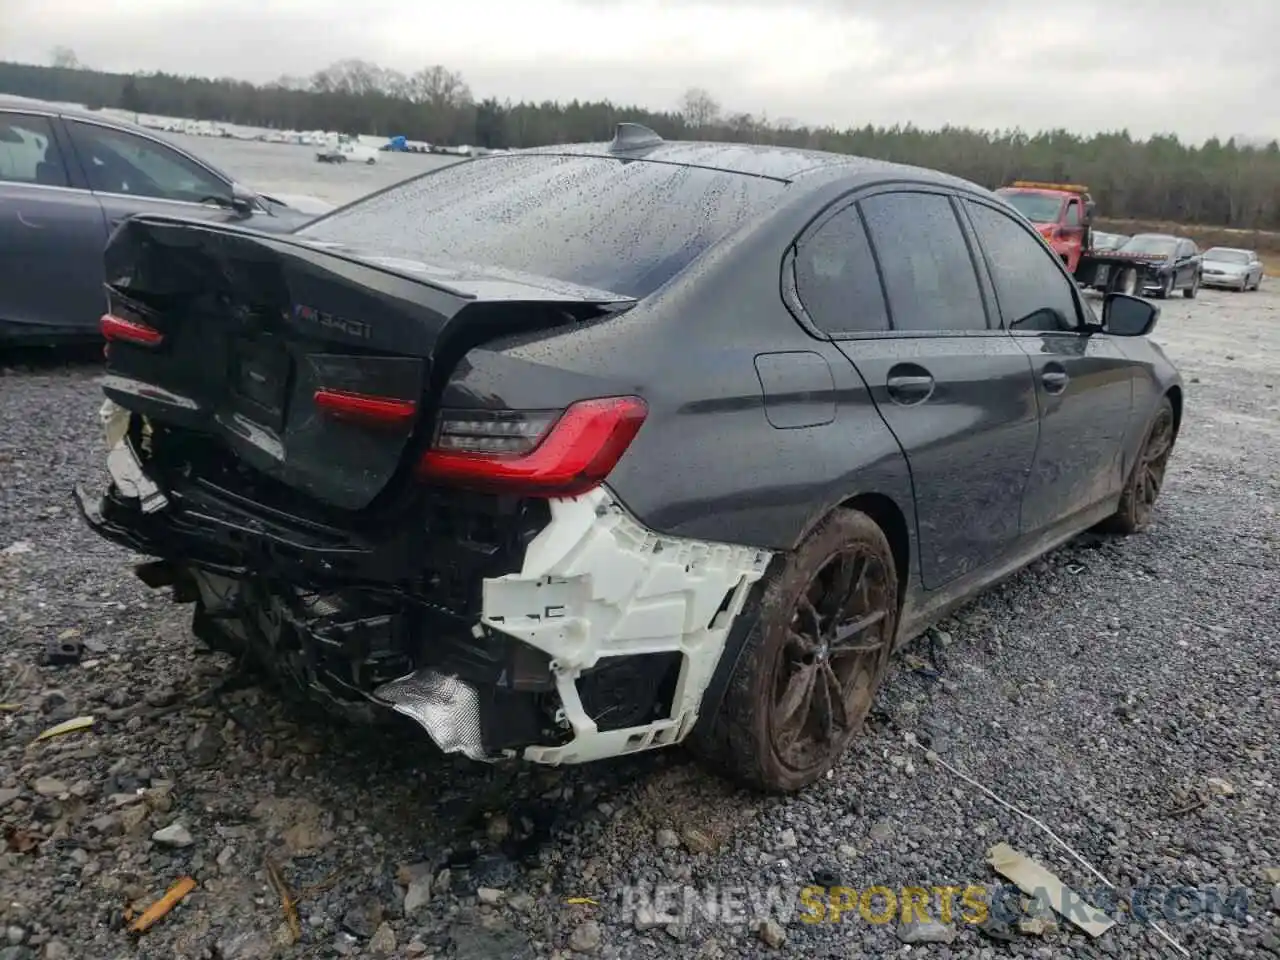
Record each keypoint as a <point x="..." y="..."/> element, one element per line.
<point x="587" y="636"/>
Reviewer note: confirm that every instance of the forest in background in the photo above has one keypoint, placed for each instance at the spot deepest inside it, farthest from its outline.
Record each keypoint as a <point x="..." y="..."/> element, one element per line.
<point x="1158" y="179"/>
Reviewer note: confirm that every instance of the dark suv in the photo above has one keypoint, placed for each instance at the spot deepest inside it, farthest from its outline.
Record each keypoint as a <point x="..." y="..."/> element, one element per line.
<point x="587" y="450"/>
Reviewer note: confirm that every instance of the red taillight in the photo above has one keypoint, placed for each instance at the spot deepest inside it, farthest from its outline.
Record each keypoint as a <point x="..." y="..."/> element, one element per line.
<point x="129" y="331"/>
<point x="366" y="410"/>
<point x="535" y="453"/>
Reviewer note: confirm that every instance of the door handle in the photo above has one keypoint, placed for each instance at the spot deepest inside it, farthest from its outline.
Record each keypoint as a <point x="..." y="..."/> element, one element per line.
<point x="909" y="388"/>
<point x="1055" y="379"/>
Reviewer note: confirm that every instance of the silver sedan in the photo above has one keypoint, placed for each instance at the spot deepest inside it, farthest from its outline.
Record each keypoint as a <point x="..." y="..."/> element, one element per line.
<point x="1232" y="267"/>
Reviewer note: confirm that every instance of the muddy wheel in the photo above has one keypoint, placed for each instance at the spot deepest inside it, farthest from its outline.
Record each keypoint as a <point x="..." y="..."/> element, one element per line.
<point x="1191" y="291"/>
<point x="815" y="655"/>
<point x="1147" y="477"/>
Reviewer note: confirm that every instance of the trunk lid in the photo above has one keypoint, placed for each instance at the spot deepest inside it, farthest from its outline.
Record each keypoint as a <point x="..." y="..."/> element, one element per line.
<point x="260" y="333"/>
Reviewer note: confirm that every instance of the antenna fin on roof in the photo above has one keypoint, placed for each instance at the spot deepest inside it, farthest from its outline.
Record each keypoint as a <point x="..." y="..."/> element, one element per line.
<point x="633" y="136"/>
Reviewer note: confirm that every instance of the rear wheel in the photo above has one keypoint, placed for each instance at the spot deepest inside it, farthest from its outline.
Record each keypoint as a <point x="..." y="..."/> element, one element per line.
<point x="1147" y="478"/>
<point x="813" y="660"/>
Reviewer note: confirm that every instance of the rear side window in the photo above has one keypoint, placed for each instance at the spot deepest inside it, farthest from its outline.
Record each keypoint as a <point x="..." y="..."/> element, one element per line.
<point x="836" y="277"/>
<point x="625" y="226"/>
<point x="28" y="152"/>
<point x="1032" y="290"/>
<point x="928" y="273"/>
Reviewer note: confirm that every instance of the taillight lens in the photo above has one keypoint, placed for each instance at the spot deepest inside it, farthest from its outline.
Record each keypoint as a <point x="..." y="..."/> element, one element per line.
<point x="534" y="453"/>
<point x="129" y="331"/>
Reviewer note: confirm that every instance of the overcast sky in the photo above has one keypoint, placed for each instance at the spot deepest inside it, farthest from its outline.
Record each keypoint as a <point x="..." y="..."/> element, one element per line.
<point x="1184" y="66"/>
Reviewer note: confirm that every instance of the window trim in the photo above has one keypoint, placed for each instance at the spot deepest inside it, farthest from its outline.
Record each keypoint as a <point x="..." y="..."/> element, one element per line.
<point x="55" y="140"/>
<point x="1082" y="328"/>
<point x="212" y="172"/>
<point x="790" y="288"/>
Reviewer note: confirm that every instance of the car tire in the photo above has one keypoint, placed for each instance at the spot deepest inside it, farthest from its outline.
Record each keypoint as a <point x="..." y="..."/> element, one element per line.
<point x="1146" y="479"/>
<point x="1244" y="285"/>
<point x="778" y="728"/>
<point x="1127" y="282"/>
<point x="1191" y="291"/>
<point x="1166" y="288"/>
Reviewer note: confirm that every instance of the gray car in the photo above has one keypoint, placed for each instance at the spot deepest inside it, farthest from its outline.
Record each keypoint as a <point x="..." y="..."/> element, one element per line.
<point x="67" y="178"/>
<point x="641" y="443"/>
<point x="1232" y="267"/>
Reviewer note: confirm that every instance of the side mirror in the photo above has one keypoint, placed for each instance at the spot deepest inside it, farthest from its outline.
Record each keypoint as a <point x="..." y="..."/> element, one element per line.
<point x="1126" y="316"/>
<point x="243" y="200"/>
<point x="1089" y="208"/>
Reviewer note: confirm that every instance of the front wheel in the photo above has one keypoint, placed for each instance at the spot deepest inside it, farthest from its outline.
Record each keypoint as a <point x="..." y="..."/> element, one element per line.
<point x="1166" y="288"/>
<point x="1191" y="291"/>
<point x="1147" y="477"/>
<point x="812" y="661"/>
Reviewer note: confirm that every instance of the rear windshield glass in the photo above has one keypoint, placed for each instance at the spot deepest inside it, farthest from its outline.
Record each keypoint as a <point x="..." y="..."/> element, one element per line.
<point x="623" y="226"/>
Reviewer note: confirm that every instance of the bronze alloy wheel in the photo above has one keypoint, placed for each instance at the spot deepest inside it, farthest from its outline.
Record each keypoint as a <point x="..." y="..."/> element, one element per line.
<point x="1137" y="502"/>
<point x="814" y="647"/>
<point x="835" y="655"/>
<point x="1152" y="462"/>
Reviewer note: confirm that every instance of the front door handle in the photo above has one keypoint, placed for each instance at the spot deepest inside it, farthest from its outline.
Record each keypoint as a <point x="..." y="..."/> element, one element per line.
<point x="910" y="388"/>
<point x="1054" y="378"/>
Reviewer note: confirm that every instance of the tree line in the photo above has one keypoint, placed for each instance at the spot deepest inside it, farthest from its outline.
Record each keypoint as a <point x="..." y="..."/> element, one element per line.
<point x="1161" y="178"/>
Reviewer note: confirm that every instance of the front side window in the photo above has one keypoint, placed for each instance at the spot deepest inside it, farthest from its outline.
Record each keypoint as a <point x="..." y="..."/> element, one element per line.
<point x="28" y="152"/>
<point x="924" y="258"/>
<point x="1031" y="288"/>
<point x="836" y="277"/>
<point x="117" y="161"/>
<point x="1073" y="213"/>
<point x="1036" y="207"/>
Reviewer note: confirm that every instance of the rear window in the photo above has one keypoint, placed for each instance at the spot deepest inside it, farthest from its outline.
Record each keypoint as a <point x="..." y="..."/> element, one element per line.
<point x="623" y="226"/>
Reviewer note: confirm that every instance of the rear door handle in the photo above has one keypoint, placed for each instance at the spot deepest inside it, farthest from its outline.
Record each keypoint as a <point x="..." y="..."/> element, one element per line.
<point x="910" y="388"/>
<point x="1055" y="379"/>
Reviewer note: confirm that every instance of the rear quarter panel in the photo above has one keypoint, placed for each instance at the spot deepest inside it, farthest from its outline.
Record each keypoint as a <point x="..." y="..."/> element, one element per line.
<point x="708" y="462"/>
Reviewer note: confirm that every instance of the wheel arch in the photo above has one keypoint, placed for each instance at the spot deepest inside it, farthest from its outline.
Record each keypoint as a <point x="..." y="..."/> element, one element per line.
<point x="888" y="516"/>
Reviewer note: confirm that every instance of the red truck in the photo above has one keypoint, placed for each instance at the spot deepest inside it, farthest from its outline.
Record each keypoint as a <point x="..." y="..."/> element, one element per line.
<point x="1063" y="213"/>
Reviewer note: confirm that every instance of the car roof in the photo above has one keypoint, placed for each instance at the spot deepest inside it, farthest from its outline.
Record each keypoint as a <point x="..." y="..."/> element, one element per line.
<point x="70" y="111"/>
<point x="789" y="164"/>
<point x="1229" y="250"/>
<point x="1155" y="236"/>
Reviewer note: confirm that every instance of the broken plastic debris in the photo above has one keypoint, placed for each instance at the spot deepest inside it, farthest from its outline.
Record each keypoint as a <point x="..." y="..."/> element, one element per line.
<point x="73" y="725"/>
<point x="587" y="900"/>
<point x="1034" y="880"/>
<point x="288" y="904"/>
<point x="157" y="911"/>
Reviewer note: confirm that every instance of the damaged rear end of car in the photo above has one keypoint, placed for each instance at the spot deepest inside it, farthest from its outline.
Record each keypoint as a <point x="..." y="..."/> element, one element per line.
<point x="288" y="438"/>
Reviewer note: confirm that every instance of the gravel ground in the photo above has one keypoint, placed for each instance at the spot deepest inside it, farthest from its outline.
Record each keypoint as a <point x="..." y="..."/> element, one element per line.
<point x="1127" y="693"/>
